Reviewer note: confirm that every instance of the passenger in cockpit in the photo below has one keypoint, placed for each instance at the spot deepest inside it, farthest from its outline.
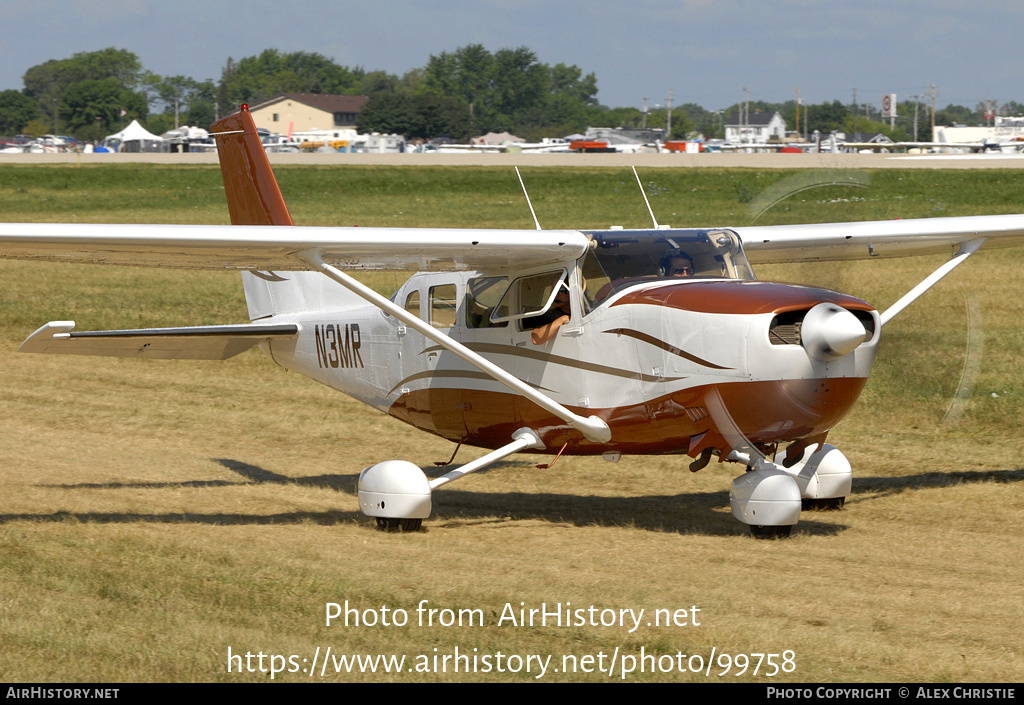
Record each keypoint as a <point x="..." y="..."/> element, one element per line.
<point x="546" y="325"/>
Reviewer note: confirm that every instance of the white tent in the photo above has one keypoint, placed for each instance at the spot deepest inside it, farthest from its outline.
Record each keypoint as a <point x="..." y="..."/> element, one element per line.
<point x="134" y="138"/>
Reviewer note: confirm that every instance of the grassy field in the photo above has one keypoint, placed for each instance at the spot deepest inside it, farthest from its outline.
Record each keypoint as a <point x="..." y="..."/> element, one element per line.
<point x="155" y="515"/>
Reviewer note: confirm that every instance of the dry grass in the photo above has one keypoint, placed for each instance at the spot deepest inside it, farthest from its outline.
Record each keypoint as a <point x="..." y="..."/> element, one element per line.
<point x="155" y="514"/>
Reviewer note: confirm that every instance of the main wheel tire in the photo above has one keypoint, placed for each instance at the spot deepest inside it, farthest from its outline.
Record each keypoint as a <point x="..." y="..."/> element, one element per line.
<point x="831" y="504"/>
<point x="401" y="525"/>
<point x="770" y="532"/>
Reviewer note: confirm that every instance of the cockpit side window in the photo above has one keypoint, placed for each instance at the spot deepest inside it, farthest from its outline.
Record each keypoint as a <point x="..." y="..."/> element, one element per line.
<point x="482" y="296"/>
<point x="594" y="279"/>
<point x="528" y="296"/>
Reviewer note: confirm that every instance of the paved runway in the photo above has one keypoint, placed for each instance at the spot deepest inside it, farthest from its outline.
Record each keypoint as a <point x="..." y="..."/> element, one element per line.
<point x="644" y="160"/>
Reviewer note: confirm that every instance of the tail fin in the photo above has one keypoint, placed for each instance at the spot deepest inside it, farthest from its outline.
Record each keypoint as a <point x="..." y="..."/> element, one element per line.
<point x="254" y="197"/>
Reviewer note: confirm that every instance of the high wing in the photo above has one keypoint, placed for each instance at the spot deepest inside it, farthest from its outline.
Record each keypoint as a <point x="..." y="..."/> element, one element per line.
<point x="276" y="247"/>
<point x="279" y="247"/>
<point x="879" y="238"/>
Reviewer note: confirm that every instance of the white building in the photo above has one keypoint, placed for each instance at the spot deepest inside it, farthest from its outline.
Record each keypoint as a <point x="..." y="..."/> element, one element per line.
<point x="755" y="128"/>
<point x="1005" y="130"/>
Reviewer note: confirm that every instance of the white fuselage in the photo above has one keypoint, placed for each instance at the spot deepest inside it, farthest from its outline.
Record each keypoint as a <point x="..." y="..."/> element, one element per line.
<point x="644" y="360"/>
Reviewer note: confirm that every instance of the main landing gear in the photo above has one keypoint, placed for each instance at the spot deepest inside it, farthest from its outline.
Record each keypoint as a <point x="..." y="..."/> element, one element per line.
<point x="402" y="525"/>
<point x="770" y="532"/>
<point x="397" y="493"/>
<point x="769" y="496"/>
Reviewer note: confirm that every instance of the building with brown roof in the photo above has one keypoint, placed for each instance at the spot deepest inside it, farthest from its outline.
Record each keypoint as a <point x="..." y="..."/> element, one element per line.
<point x="299" y="112"/>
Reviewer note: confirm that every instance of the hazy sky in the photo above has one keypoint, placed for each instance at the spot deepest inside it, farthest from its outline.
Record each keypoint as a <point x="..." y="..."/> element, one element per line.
<point x="703" y="51"/>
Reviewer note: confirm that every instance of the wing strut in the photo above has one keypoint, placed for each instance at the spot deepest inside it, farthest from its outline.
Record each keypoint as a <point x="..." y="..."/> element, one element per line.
<point x="966" y="250"/>
<point x="593" y="428"/>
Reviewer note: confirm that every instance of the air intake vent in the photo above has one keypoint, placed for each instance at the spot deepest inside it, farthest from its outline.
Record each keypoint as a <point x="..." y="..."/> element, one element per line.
<point x="868" y="321"/>
<point x="696" y="413"/>
<point x="785" y="328"/>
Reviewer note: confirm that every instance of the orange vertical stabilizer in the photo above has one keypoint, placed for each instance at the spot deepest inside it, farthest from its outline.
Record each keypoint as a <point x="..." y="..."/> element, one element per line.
<point x="254" y="197"/>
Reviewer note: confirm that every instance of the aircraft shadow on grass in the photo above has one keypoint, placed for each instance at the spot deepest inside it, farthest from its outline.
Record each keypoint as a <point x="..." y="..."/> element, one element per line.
<point x="888" y="486"/>
<point x="704" y="513"/>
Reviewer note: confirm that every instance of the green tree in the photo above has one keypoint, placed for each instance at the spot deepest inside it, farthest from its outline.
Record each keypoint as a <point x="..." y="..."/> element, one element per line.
<point x="119" y="64"/>
<point x="563" y="115"/>
<point x="372" y="83"/>
<point x="35" y="128"/>
<point x="569" y="81"/>
<point x="957" y="115"/>
<point x="622" y="117"/>
<point x="257" y="78"/>
<point x="440" y="115"/>
<point x="93" y="109"/>
<point x="906" y="112"/>
<point x="387" y="113"/>
<point x="413" y="81"/>
<point x="466" y="74"/>
<point x="159" y="123"/>
<point x="862" y="125"/>
<point x="1011" y="109"/>
<point x="184" y="100"/>
<point x="16" y="110"/>
<point x="512" y="90"/>
<point x="826" y="117"/>
<point x="697" y="120"/>
<point x="174" y="92"/>
<point x="48" y="82"/>
<point x="202" y="107"/>
<point x="422" y="116"/>
<point x="520" y="89"/>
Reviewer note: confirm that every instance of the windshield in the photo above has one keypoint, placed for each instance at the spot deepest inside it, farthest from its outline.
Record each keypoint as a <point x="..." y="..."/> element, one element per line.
<point x="620" y="258"/>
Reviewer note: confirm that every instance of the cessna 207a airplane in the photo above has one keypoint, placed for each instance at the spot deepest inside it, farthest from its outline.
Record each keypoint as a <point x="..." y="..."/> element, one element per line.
<point x="635" y="362"/>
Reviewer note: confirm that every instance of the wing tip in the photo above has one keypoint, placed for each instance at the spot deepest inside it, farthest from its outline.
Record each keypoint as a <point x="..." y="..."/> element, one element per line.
<point x="37" y="342"/>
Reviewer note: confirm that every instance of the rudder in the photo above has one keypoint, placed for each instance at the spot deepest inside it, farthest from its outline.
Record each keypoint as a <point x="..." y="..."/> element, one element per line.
<point x="254" y="198"/>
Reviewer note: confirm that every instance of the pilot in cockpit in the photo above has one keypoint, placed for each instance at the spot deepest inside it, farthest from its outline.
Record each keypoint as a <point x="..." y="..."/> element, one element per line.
<point x="676" y="264"/>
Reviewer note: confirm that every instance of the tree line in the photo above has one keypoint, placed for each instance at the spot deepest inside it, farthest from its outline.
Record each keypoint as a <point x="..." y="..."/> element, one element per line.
<point x="459" y="94"/>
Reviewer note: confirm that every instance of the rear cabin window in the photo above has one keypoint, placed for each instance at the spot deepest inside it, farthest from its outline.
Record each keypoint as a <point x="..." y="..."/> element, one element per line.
<point x="412" y="303"/>
<point x="443" y="305"/>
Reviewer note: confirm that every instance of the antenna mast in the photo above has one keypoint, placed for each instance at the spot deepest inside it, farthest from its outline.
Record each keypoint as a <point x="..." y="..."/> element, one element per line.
<point x="649" y="209"/>
<point x="535" y="221"/>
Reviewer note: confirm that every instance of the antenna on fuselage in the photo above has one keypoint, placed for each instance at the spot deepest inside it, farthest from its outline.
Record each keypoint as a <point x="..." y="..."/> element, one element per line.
<point x="537" y="222"/>
<point x="649" y="209"/>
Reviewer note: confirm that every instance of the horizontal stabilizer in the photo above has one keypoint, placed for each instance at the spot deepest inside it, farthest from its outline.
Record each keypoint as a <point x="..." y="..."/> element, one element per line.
<point x="190" y="343"/>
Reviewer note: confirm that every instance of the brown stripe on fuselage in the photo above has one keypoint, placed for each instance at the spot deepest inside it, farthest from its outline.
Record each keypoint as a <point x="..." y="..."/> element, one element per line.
<point x="737" y="297"/>
<point x="667" y="347"/>
<point x="766" y="412"/>
<point x="514" y="351"/>
<point x="454" y="374"/>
